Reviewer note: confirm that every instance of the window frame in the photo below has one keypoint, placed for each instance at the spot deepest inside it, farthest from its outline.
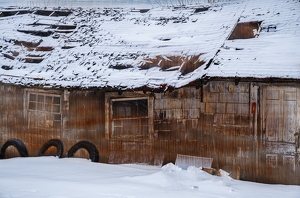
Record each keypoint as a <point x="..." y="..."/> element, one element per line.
<point x="109" y="120"/>
<point x="45" y="93"/>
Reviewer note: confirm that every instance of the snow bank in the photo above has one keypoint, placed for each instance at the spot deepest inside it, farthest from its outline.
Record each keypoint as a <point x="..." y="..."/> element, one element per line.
<point x="50" y="177"/>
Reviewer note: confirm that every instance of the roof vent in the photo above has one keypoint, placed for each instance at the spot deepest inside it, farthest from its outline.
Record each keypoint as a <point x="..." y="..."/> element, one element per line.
<point x="246" y="30"/>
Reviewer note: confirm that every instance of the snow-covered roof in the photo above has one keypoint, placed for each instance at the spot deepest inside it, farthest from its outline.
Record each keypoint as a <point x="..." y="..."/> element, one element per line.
<point x="129" y="48"/>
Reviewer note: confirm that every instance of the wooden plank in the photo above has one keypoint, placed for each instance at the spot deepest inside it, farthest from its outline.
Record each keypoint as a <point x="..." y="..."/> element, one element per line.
<point x="107" y="115"/>
<point x="298" y="112"/>
<point x="151" y="117"/>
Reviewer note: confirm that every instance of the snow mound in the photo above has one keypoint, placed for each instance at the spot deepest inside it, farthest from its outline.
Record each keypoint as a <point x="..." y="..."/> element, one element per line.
<point x="50" y="177"/>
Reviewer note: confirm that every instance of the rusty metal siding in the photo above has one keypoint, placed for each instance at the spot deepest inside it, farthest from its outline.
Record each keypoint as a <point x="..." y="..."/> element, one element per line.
<point x="86" y="122"/>
<point x="217" y="122"/>
<point x="218" y="127"/>
<point x="12" y="117"/>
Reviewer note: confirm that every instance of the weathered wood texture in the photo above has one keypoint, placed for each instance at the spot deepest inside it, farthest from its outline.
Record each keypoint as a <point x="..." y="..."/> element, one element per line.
<point x="218" y="127"/>
<point x="248" y="129"/>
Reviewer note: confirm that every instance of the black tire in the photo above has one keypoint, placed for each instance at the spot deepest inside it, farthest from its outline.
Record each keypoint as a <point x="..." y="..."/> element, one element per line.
<point x="53" y="142"/>
<point x="18" y="144"/>
<point x="91" y="148"/>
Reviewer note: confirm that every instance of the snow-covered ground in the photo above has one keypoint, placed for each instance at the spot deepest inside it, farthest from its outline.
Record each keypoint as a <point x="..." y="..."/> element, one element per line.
<point x="50" y="177"/>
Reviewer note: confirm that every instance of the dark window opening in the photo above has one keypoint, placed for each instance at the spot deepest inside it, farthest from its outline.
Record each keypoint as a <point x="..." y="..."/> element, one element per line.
<point x="43" y="12"/>
<point x="130" y="118"/>
<point x="61" y="13"/>
<point x="201" y="9"/>
<point x="8" y="13"/>
<point x="246" y="30"/>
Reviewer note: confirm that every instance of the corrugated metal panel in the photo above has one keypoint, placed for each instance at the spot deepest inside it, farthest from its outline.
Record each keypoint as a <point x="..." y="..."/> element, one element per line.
<point x="185" y="161"/>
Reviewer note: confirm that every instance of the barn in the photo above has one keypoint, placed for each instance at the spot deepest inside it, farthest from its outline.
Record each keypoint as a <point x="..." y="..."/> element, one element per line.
<point x="122" y="85"/>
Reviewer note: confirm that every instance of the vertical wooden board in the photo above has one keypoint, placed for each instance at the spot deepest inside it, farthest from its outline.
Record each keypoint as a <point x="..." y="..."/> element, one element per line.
<point x="151" y="117"/>
<point x="272" y="121"/>
<point x="263" y="110"/>
<point x="107" y="116"/>
<point x="289" y="121"/>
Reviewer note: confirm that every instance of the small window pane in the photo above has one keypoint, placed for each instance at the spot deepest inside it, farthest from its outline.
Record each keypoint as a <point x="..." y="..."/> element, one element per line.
<point x="130" y="126"/>
<point x="32" y="105"/>
<point x="117" y="123"/>
<point x="56" y="116"/>
<point x="56" y="100"/>
<point x="40" y="106"/>
<point x="44" y="111"/>
<point x="32" y="97"/>
<point x="48" y="99"/>
<point x="48" y="107"/>
<point x="41" y="98"/>
<point x="142" y="110"/>
<point x="117" y="131"/>
<point x="56" y="124"/>
<point x="130" y="108"/>
<point x="56" y="108"/>
<point x="144" y="121"/>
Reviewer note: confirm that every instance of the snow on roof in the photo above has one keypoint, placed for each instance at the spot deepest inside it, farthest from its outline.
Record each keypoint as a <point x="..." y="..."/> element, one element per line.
<point x="128" y="49"/>
<point x="274" y="53"/>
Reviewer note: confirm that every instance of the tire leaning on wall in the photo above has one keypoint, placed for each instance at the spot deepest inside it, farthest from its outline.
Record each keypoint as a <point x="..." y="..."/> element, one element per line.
<point x="90" y="147"/>
<point x="53" y="142"/>
<point x="18" y="144"/>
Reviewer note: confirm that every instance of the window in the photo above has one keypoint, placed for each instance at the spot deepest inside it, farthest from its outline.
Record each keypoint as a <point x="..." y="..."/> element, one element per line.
<point x="129" y="116"/>
<point x="44" y="110"/>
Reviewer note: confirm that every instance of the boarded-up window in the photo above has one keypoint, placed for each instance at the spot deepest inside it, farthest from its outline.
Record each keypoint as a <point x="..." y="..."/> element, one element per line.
<point x="130" y="117"/>
<point x="44" y="110"/>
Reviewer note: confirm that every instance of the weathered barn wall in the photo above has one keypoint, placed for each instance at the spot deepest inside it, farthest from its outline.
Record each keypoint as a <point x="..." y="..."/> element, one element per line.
<point x="12" y="122"/>
<point x="218" y="127"/>
<point x="86" y="122"/>
<point x="248" y="129"/>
